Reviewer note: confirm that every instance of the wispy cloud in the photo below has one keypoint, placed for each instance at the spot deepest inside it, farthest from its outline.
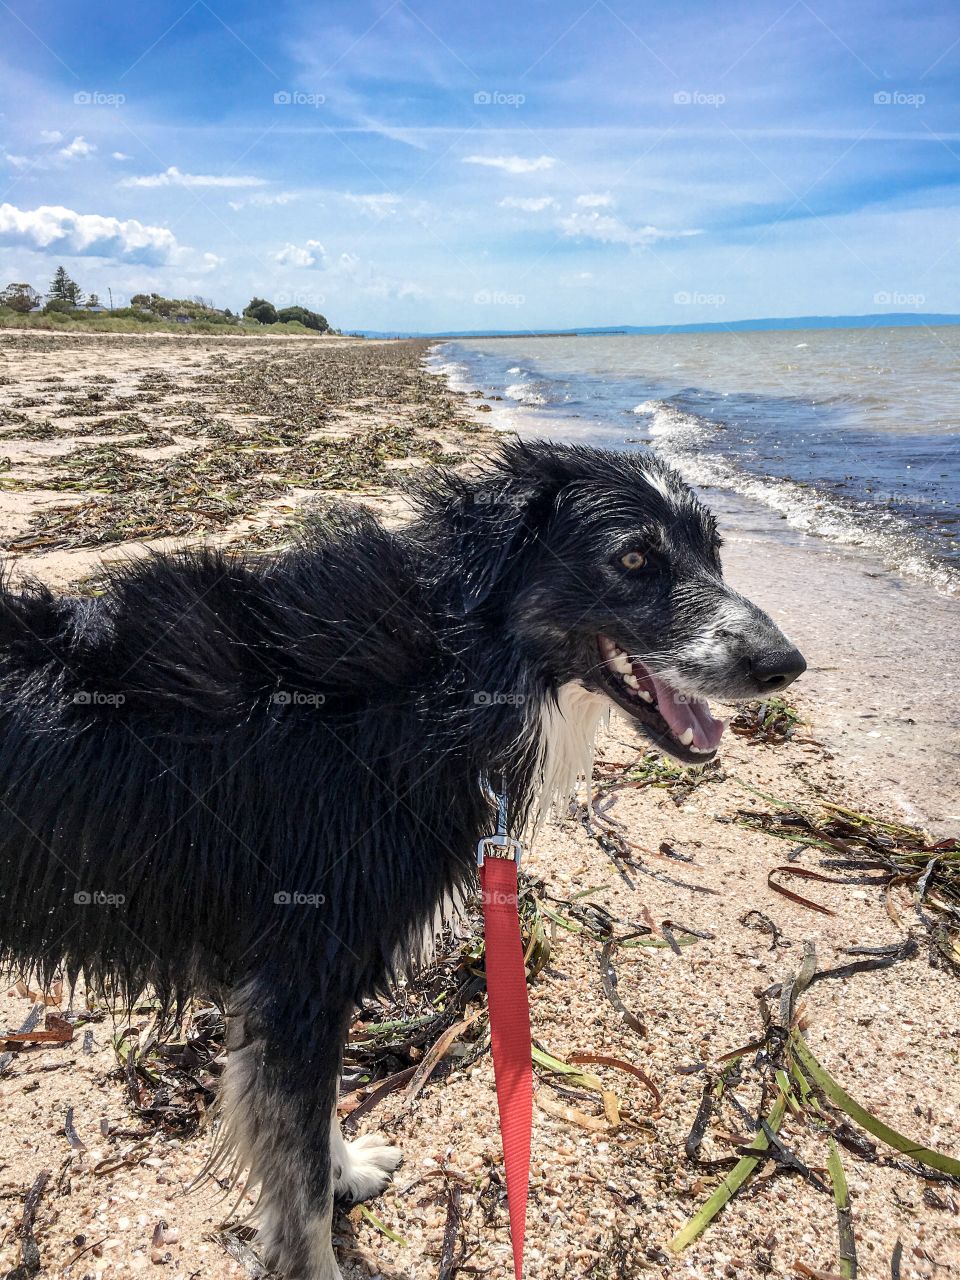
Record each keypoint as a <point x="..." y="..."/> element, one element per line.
<point x="265" y="199"/>
<point x="528" y="204"/>
<point x="53" y="227"/>
<point x="378" y="206"/>
<point x="513" y="164"/>
<point x="595" y="200"/>
<point x="173" y="177"/>
<point x="51" y="135"/>
<point x="409" y="137"/>
<point x="611" y="230"/>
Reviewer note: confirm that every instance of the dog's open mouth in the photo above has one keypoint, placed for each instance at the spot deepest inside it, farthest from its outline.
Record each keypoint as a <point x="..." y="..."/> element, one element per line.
<point x="677" y="723"/>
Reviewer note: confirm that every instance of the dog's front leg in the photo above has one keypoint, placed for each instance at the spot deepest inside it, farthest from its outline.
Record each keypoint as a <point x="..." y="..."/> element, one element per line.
<point x="276" y="1097"/>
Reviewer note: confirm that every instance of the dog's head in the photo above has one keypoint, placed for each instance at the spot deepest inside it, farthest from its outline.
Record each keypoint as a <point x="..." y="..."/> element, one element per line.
<point x="605" y="568"/>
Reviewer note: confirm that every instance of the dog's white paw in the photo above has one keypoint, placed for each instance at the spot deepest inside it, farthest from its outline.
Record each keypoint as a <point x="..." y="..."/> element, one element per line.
<point x="367" y="1169"/>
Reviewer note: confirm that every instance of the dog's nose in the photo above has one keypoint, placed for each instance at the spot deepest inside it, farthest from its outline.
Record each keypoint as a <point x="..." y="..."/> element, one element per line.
<point x="775" y="668"/>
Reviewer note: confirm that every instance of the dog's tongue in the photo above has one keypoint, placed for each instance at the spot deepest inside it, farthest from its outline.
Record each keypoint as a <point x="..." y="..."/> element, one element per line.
<point x="682" y="714"/>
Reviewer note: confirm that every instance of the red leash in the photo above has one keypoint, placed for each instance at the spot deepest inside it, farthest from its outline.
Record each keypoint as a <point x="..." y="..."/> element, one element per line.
<point x="499" y="859"/>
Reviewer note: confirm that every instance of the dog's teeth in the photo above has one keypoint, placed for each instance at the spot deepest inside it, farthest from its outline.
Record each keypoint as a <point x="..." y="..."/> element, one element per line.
<point x="632" y="681"/>
<point x="647" y="697"/>
<point x="686" y="737"/>
<point x="700" y="751"/>
<point x="620" y="662"/>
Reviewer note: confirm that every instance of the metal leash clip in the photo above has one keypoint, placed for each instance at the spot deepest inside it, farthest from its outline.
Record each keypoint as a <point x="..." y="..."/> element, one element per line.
<point x="499" y="845"/>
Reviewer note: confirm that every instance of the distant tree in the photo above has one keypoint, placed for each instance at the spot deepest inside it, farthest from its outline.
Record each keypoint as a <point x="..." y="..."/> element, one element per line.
<point x="140" y="300"/>
<point x="163" y="306"/>
<point x="60" y="306"/>
<point x="19" y="297"/>
<point x="310" y="319"/>
<point x="261" y="310"/>
<point x="65" y="289"/>
<point x="140" y="314"/>
<point x="93" y="301"/>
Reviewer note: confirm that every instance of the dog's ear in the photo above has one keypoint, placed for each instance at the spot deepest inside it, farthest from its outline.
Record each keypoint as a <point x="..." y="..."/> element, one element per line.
<point x="495" y="521"/>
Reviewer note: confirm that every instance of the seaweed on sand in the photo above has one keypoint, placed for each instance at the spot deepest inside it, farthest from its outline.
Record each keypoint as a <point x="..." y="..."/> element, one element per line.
<point x="276" y="435"/>
<point x="893" y="854"/>
<point x="772" y="721"/>
<point x="799" y="1093"/>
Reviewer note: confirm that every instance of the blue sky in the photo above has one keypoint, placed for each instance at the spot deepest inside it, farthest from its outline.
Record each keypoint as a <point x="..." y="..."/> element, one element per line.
<point x="426" y="166"/>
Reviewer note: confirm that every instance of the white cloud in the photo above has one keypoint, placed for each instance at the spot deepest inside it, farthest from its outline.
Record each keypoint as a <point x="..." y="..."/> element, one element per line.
<point x="264" y="199"/>
<point x="529" y="204"/>
<point x="18" y="162"/>
<point x="78" y="147"/>
<point x="595" y="200"/>
<point x="610" y="230"/>
<point x="121" y="155"/>
<point x="513" y="164"/>
<point x="52" y="227"/>
<point x="172" y="177"/>
<point x="311" y="254"/>
<point x="51" y="135"/>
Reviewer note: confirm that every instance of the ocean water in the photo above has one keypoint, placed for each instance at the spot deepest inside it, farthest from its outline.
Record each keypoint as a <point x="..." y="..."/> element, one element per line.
<point x="849" y="435"/>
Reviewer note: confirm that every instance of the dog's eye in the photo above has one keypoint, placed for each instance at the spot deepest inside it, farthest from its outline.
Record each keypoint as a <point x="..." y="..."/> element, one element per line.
<point x="633" y="560"/>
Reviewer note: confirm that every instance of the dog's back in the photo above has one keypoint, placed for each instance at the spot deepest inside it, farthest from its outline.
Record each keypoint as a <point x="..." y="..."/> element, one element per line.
<point x="203" y="739"/>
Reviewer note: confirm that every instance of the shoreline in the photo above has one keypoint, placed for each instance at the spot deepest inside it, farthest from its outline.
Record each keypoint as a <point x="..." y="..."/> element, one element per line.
<point x="612" y="1180"/>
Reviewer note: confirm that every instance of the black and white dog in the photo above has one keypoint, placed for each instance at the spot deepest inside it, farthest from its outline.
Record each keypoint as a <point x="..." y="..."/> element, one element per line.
<point x="261" y="781"/>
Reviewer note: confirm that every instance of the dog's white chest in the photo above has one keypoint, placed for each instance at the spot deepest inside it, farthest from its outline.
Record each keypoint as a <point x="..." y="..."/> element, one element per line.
<point x="568" y="727"/>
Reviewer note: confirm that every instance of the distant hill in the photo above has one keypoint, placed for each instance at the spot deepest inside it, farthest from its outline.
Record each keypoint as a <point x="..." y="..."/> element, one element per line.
<point x="890" y="320"/>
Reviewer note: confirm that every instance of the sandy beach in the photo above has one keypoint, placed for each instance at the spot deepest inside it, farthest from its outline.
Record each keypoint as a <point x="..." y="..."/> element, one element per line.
<point x="670" y="909"/>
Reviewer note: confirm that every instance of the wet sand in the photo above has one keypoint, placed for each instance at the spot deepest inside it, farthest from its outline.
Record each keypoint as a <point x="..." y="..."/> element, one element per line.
<point x="882" y="687"/>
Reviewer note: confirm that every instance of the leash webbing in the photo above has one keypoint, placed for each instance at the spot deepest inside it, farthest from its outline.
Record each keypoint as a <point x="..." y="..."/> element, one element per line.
<point x="499" y="859"/>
